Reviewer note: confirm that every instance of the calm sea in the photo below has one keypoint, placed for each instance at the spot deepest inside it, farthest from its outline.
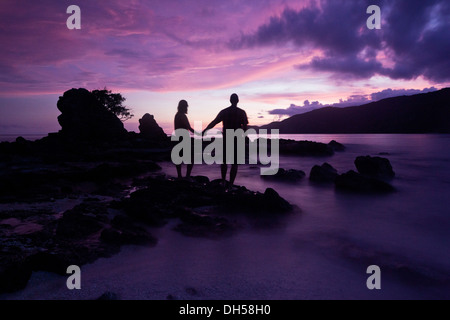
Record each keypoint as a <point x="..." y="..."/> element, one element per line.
<point x="13" y="137"/>
<point x="321" y="253"/>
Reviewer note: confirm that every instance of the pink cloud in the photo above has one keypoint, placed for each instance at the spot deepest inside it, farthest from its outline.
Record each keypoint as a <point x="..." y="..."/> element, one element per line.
<point x="154" y="45"/>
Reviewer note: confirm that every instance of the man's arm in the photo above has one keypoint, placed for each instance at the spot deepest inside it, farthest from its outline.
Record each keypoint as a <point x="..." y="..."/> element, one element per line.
<point x="216" y="121"/>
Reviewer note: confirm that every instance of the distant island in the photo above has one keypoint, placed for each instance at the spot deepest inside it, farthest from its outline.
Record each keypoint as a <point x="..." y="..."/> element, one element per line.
<point x="421" y="113"/>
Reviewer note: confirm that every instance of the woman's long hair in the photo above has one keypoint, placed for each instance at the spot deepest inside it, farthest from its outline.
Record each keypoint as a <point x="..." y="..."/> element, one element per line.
<point x="182" y="106"/>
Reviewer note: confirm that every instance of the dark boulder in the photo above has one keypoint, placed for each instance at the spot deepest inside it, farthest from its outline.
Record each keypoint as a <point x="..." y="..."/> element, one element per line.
<point x="84" y="118"/>
<point x="272" y="202"/>
<point x="290" y="175"/>
<point x="375" y="167"/>
<point x="201" y="179"/>
<point x="336" y="146"/>
<point x="305" y="148"/>
<point x="14" y="274"/>
<point x="205" y="226"/>
<point x="323" y="173"/>
<point x="150" y="130"/>
<point x="81" y="221"/>
<point x="49" y="261"/>
<point x="356" y="182"/>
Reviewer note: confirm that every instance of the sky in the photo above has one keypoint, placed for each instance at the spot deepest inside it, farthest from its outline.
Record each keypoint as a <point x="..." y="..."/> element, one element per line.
<point x="282" y="57"/>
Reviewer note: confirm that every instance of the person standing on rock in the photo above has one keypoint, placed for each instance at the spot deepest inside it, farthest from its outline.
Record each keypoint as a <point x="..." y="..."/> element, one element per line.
<point x="182" y="122"/>
<point x="233" y="118"/>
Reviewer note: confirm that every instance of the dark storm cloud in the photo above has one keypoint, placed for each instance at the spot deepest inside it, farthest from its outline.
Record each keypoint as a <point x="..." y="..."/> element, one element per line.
<point x="414" y="37"/>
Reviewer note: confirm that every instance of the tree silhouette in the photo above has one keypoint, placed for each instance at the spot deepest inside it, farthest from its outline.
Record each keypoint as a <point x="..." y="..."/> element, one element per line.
<point x="114" y="103"/>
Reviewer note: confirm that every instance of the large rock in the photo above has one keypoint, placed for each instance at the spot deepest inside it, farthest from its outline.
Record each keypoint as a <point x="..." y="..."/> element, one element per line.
<point x="375" y="167"/>
<point x="356" y="182"/>
<point x="149" y="129"/>
<point x="272" y="202"/>
<point x="84" y="118"/>
<point x="305" y="148"/>
<point x="336" y="145"/>
<point x="283" y="175"/>
<point x="81" y="221"/>
<point x="323" y="173"/>
<point x="163" y="199"/>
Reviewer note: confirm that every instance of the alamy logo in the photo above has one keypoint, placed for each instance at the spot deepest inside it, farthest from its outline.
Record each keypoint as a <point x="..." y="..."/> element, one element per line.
<point x="74" y="281"/>
<point x="374" y="21"/>
<point x="374" y="281"/>
<point x="235" y="147"/>
<point x="74" y="21"/>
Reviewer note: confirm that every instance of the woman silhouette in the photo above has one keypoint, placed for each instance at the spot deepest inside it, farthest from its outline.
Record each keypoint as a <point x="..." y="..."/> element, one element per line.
<point x="182" y="122"/>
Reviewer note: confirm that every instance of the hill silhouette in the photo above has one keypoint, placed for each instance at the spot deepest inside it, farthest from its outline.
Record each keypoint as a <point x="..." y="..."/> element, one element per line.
<point x="421" y="113"/>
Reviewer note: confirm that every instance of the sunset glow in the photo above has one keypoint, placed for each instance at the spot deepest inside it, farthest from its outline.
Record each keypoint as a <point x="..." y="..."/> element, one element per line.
<point x="273" y="53"/>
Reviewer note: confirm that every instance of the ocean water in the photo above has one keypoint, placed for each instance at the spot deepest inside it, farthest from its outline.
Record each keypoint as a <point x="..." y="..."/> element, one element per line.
<point x="323" y="252"/>
<point x="27" y="136"/>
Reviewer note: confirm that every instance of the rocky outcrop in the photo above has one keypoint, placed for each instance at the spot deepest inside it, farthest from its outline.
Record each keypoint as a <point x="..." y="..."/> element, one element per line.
<point x="336" y="146"/>
<point x="356" y="182"/>
<point x="81" y="235"/>
<point x="84" y="118"/>
<point x="375" y="167"/>
<point x="149" y="129"/>
<point x="163" y="199"/>
<point x="305" y="148"/>
<point x="283" y="175"/>
<point x="324" y="173"/>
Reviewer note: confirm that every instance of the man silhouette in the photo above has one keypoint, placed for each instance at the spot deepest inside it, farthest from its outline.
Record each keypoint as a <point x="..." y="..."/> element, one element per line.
<point x="233" y="118"/>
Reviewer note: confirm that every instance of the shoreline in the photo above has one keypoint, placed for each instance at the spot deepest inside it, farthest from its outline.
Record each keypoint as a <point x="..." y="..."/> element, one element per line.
<point x="200" y="225"/>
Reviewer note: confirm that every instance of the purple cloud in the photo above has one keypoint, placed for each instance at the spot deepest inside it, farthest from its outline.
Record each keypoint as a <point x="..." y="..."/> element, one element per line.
<point x="354" y="100"/>
<point x="413" y="39"/>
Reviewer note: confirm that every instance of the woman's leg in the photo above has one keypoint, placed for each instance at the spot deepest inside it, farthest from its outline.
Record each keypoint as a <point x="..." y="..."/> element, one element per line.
<point x="179" y="171"/>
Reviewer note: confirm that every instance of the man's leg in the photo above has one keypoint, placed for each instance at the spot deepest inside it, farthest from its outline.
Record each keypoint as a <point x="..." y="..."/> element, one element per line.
<point x="179" y="171"/>
<point x="233" y="173"/>
<point x="224" y="169"/>
<point x="189" y="170"/>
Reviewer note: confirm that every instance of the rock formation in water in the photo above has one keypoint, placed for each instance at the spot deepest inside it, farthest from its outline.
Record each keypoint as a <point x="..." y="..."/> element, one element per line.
<point x="323" y="173"/>
<point x="149" y="129"/>
<point x="84" y="118"/>
<point x="375" y="167"/>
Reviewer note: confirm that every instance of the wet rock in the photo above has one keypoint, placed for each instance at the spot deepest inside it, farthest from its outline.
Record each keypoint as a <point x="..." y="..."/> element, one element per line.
<point x="128" y="235"/>
<point x="147" y="205"/>
<point x="356" y="182"/>
<point x="272" y="201"/>
<point x="81" y="221"/>
<point x="376" y="167"/>
<point x="324" y="173"/>
<point x="290" y="175"/>
<point x="165" y="199"/>
<point x="108" y="171"/>
<point x="49" y="261"/>
<point x="205" y="226"/>
<point x="305" y="148"/>
<point x="201" y="179"/>
<point x="14" y="274"/>
<point x="336" y="146"/>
